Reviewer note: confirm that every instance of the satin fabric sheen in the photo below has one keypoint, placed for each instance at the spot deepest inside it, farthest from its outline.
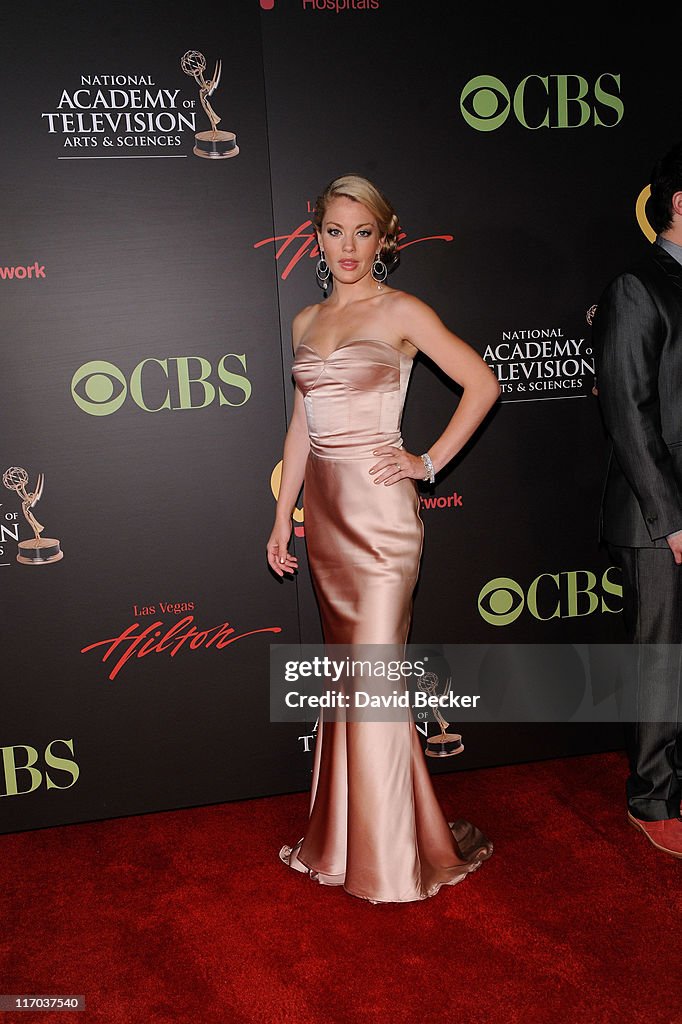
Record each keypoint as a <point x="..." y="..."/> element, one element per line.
<point x="375" y="825"/>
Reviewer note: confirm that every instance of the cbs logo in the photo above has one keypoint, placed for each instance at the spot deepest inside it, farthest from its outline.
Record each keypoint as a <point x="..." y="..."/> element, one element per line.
<point x="182" y="382"/>
<point x="542" y="101"/>
<point x="562" y="595"/>
<point x="24" y="777"/>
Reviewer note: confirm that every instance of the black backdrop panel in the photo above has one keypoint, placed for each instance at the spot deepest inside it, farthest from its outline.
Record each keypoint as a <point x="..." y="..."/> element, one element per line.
<point x="151" y="281"/>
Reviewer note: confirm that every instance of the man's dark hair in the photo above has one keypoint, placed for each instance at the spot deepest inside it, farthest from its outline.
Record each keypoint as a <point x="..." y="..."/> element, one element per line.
<point x="666" y="180"/>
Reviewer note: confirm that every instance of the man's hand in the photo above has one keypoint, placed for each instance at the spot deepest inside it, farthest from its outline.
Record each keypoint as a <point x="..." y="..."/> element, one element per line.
<point x="675" y="545"/>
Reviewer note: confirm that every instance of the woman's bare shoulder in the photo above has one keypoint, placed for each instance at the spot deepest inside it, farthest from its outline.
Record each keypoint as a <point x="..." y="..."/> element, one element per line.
<point x="405" y="302"/>
<point x="409" y="315"/>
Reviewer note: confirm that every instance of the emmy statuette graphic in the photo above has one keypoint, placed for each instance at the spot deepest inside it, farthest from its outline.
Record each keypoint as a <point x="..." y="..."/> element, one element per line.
<point x="214" y="145"/>
<point x="445" y="744"/>
<point x="40" y="550"/>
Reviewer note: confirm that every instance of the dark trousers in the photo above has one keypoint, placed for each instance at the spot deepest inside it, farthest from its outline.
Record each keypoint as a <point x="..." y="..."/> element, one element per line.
<point x="652" y="609"/>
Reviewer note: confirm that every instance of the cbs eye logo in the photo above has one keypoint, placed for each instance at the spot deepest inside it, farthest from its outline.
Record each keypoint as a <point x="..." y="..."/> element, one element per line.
<point x="501" y="601"/>
<point x="484" y="103"/>
<point x="99" y="388"/>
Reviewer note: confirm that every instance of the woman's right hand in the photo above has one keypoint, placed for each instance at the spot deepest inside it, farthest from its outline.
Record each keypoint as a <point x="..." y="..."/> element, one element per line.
<point x="279" y="558"/>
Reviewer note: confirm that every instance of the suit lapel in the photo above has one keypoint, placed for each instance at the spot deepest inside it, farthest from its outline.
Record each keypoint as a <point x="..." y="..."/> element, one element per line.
<point x="668" y="265"/>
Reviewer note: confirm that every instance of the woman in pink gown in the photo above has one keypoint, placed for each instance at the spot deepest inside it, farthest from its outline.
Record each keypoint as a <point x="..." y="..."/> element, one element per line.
<point x="375" y="825"/>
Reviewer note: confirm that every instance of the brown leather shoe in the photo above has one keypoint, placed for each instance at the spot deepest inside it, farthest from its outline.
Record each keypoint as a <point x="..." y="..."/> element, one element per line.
<point x="666" y="835"/>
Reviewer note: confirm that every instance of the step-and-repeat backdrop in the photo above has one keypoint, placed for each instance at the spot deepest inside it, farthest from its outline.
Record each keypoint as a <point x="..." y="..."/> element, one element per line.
<point x="149" y="273"/>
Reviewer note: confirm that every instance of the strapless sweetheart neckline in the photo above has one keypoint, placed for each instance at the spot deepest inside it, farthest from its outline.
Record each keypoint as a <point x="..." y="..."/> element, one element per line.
<point x="346" y="344"/>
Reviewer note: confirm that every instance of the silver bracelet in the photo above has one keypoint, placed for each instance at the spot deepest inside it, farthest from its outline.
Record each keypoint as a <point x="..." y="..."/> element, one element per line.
<point x="428" y="466"/>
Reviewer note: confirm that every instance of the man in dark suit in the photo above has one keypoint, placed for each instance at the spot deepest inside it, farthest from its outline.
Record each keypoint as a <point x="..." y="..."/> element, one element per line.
<point x="637" y="333"/>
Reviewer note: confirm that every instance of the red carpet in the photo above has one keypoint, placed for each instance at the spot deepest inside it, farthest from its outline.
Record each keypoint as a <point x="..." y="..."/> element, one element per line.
<point x="188" y="916"/>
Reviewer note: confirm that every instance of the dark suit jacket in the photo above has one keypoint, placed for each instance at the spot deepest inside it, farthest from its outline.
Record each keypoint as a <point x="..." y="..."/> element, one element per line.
<point x="637" y="334"/>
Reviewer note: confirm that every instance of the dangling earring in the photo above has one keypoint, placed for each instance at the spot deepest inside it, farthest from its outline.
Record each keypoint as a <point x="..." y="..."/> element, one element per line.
<point x="379" y="271"/>
<point x="322" y="271"/>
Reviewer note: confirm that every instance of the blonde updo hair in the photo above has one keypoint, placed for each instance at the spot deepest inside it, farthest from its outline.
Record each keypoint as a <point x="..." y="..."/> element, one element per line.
<point x="353" y="186"/>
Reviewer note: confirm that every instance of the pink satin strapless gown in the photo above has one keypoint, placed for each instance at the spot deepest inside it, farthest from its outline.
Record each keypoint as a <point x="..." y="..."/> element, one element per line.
<point x="375" y="825"/>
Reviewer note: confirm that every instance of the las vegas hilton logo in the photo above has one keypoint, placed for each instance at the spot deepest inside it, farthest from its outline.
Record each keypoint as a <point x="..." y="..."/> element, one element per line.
<point x="40" y="550"/>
